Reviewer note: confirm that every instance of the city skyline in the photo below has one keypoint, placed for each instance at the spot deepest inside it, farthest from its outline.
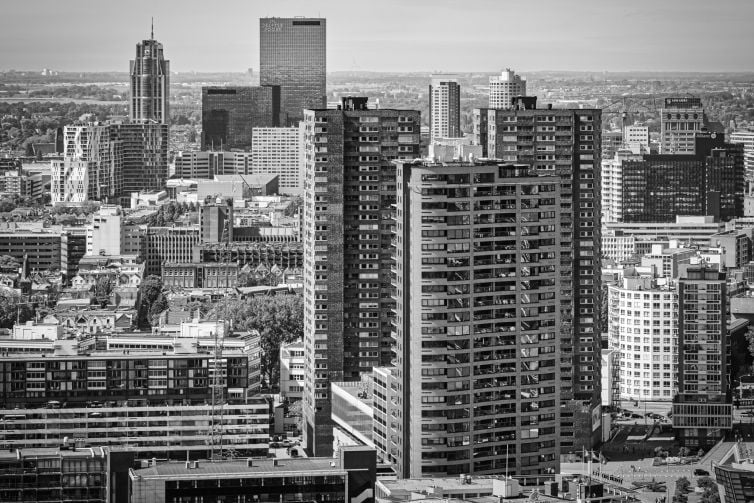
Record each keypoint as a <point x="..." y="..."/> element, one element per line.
<point x="426" y="36"/>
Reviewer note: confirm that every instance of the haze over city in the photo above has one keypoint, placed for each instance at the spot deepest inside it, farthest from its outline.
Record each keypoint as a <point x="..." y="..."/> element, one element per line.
<point x="392" y="35"/>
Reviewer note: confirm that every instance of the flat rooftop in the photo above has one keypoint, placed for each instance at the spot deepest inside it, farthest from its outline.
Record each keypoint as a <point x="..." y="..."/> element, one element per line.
<point x="260" y="467"/>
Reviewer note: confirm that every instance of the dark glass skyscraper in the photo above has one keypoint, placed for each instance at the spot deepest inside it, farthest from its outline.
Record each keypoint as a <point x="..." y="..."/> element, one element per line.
<point x="230" y="113"/>
<point x="708" y="182"/>
<point x="150" y="83"/>
<point x="292" y="55"/>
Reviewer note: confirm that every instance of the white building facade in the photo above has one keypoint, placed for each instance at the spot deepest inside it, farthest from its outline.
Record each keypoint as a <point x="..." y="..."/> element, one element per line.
<point x="280" y="151"/>
<point x="504" y="87"/>
<point x="643" y="327"/>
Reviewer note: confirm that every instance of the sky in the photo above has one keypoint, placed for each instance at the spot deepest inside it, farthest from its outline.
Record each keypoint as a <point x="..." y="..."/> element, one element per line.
<point x="389" y="35"/>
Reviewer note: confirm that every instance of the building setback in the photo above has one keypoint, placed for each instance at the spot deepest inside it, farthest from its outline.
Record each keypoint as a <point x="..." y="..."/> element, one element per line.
<point x="230" y="113"/>
<point x="478" y="295"/>
<point x="349" y="190"/>
<point x="565" y="143"/>
<point x="292" y="55"/>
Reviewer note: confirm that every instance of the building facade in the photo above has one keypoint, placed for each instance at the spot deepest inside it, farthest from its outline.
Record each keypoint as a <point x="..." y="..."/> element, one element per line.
<point x="91" y="168"/>
<point x="747" y="139"/>
<point x="706" y="181"/>
<point x="643" y="328"/>
<point x="150" y="84"/>
<point x="680" y="120"/>
<point x="702" y="409"/>
<point x="169" y="244"/>
<point x="229" y="114"/>
<point x="565" y="143"/>
<point x="280" y="151"/>
<point x="349" y="190"/>
<point x="204" y="165"/>
<point x="350" y="478"/>
<point x="504" y="87"/>
<point x="444" y="107"/>
<point x="145" y="155"/>
<point x="292" y="55"/>
<point x="478" y="312"/>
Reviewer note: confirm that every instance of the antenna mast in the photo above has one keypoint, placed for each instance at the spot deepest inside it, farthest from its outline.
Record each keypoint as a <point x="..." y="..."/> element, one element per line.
<point x="152" y="38"/>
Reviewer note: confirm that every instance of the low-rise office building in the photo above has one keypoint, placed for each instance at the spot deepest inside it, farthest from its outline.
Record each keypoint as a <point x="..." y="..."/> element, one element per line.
<point x="349" y="478"/>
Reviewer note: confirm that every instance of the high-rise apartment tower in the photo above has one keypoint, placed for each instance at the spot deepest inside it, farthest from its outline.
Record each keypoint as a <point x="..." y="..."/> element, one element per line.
<point x="444" y="107"/>
<point x="565" y="143"/>
<point x="349" y="193"/>
<point x="479" y="288"/>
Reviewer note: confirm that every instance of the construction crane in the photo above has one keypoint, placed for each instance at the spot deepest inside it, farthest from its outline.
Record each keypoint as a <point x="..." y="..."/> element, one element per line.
<point x="219" y="366"/>
<point x="629" y="105"/>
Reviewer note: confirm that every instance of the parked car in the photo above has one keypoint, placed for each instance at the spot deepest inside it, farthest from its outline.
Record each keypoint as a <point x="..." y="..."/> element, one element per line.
<point x="700" y="473"/>
<point x="637" y="416"/>
<point x="748" y="413"/>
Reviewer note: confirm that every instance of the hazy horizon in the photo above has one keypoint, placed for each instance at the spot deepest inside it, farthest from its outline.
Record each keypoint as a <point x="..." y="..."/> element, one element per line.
<point x="421" y="36"/>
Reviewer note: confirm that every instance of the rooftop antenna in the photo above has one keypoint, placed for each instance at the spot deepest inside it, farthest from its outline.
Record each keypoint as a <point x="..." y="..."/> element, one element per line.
<point x="152" y="29"/>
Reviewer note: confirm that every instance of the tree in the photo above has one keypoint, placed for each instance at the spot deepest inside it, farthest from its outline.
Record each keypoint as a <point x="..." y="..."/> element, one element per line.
<point x="710" y="494"/>
<point x="279" y="319"/>
<point x="102" y="290"/>
<point x="12" y="309"/>
<point x="150" y="292"/>
<point x="8" y="263"/>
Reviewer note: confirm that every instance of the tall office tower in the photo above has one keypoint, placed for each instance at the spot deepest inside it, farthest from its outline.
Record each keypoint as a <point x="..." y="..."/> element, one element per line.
<point x="707" y="181"/>
<point x="444" y="107"/>
<point x="565" y="143"/>
<point x="230" y="113"/>
<point x="150" y="83"/>
<point x="680" y="120"/>
<point x="280" y="150"/>
<point x="702" y="410"/>
<point x="478" y="294"/>
<point x="747" y="139"/>
<point x="216" y="222"/>
<point x="647" y="357"/>
<point x="292" y="56"/>
<point x="92" y="165"/>
<point x="349" y="190"/>
<point x="504" y="87"/>
<point x="145" y="156"/>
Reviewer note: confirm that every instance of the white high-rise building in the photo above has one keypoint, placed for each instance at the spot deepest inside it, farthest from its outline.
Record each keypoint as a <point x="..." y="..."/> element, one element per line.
<point x="747" y="138"/>
<point x="279" y="150"/>
<point x="643" y="327"/>
<point x="91" y="168"/>
<point x="612" y="185"/>
<point x="504" y="87"/>
<point x="444" y="107"/>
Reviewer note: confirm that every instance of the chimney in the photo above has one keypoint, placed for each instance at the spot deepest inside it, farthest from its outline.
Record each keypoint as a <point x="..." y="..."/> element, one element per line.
<point x="249" y="462"/>
<point x="275" y="462"/>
